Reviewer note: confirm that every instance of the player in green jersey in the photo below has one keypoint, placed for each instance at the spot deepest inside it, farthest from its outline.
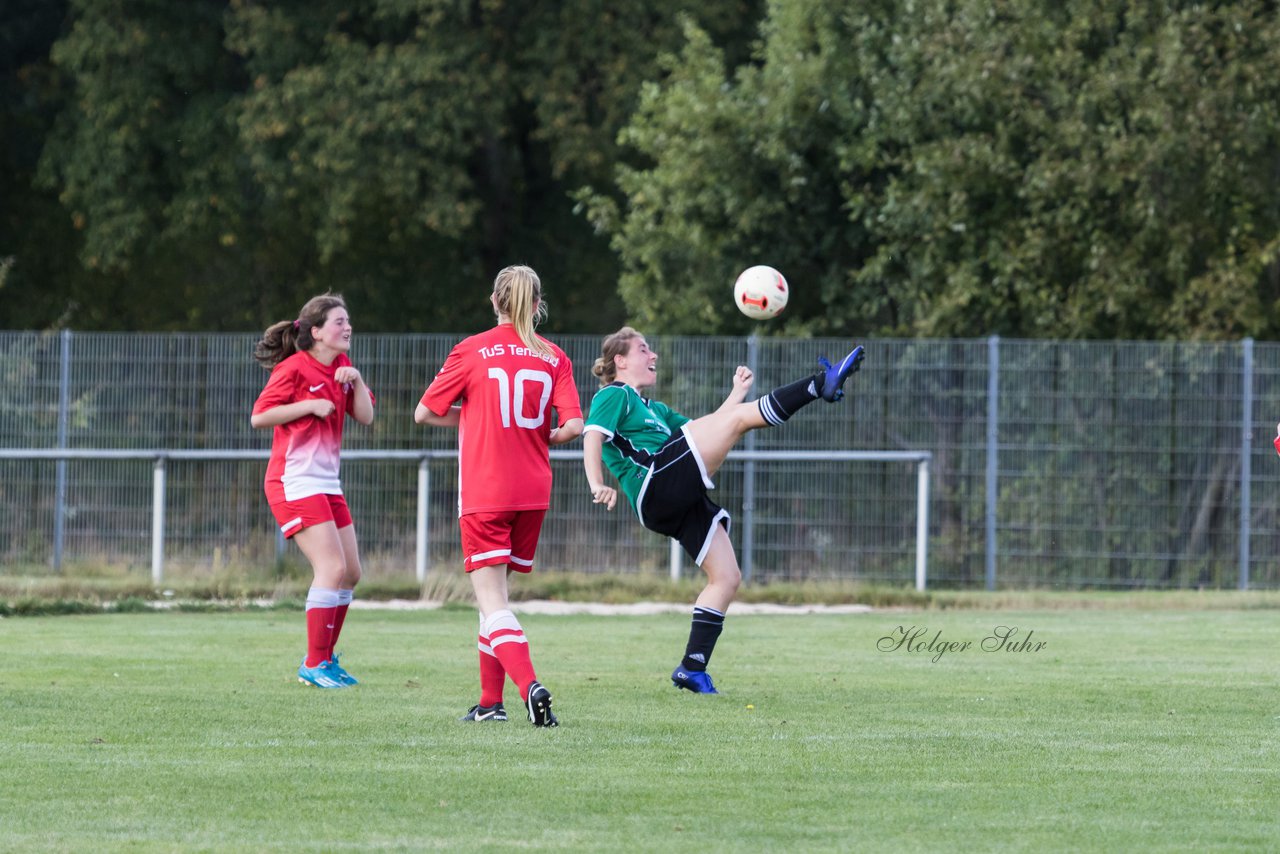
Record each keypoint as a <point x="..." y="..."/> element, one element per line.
<point x="664" y="463"/>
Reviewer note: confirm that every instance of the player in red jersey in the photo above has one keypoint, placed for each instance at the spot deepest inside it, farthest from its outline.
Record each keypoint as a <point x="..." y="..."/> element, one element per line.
<point x="498" y="388"/>
<point x="312" y="389"/>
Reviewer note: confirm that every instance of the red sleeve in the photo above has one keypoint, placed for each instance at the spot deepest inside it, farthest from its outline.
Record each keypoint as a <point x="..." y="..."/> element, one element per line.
<point x="1277" y="444"/>
<point x="448" y="386"/>
<point x="565" y="399"/>
<point x="281" y="388"/>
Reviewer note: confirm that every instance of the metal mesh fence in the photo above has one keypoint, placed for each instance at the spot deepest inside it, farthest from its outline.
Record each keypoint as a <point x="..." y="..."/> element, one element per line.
<point x="1116" y="464"/>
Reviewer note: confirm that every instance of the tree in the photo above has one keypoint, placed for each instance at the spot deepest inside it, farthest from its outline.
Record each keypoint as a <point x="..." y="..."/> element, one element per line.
<point x="1027" y="168"/>
<point x="224" y="160"/>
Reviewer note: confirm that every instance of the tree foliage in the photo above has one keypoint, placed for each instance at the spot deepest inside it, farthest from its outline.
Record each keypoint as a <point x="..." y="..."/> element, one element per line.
<point x="1073" y="169"/>
<point x="964" y="167"/>
<point x="227" y="159"/>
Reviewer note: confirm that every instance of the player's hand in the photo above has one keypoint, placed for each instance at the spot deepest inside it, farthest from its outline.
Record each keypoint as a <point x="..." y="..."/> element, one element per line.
<point x="346" y="374"/>
<point x="606" y="495"/>
<point x="322" y="407"/>
<point x="743" y="378"/>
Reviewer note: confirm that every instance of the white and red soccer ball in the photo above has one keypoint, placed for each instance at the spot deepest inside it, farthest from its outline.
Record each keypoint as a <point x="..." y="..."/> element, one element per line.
<point x="760" y="292"/>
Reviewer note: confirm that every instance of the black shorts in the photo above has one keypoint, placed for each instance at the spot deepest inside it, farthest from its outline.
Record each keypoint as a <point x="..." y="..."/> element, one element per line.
<point x="673" y="500"/>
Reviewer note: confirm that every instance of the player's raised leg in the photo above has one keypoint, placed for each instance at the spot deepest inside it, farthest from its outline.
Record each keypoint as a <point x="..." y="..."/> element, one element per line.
<point x="716" y="433"/>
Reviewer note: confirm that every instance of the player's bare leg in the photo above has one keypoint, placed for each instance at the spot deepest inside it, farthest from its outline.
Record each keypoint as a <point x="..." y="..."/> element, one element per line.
<point x="723" y="577"/>
<point x="322" y="547"/>
<point x="714" y="435"/>
<point x="723" y="574"/>
<point x="507" y="639"/>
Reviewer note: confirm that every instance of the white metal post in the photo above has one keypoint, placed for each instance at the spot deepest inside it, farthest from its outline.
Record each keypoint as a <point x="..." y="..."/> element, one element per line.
<point x="922" y="523"/>
<point x="1246" y="457"/>
<point x="677" y="558"/>
<point x="157" y="522"/>
<point x="424" y="494"/>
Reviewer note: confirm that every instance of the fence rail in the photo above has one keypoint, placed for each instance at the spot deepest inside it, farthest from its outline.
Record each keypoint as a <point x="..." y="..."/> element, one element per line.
<point x="160" y="458"/>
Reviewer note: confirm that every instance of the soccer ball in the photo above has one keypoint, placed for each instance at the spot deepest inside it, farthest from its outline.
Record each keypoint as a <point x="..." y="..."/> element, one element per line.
<point x="760" y="292"/>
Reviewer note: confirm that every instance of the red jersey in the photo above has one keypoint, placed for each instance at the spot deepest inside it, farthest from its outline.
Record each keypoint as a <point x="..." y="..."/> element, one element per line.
<point x="506" y="391"/>
<point x="304" y="452"/>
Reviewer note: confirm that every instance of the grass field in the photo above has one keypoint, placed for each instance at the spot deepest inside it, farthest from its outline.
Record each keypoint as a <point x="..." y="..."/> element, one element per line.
<point x="1127" y="730"/>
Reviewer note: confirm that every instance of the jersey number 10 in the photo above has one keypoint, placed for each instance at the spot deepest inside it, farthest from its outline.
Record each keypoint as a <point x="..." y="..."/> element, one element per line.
<point x="511" y="395"/>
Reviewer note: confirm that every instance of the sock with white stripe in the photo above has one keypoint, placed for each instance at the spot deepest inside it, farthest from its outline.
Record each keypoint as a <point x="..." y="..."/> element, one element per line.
<point x="492" y="675"/>
<point x="784" y="401"/>
<point x="322" y="609"/>
<point x="507" y="640"/>
<point x="703" y="634"/>
<point x="345" y="595"/>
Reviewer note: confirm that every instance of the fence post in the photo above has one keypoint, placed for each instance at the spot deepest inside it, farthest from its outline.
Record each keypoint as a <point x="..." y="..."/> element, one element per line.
<point x="157" y="522"/>
<point x="993" y="446"/>
<point x="922" y="524"/>
<point x="1246" y="452"/>
<point x="749" y="476"/>
<point x="60" y="467"/>
<point x="424" y="496"/>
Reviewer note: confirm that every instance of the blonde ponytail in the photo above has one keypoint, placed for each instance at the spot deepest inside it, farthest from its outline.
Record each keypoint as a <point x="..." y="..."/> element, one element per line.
<point x="517" y="293"/>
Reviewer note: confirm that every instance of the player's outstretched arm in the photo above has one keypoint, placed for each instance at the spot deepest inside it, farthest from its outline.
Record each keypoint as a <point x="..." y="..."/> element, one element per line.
<point x="742" y="380"/>
<point x="592" y="443"/>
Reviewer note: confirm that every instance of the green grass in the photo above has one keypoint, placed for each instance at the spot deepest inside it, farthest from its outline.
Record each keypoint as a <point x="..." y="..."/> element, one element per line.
<point x="1130" y="730"/>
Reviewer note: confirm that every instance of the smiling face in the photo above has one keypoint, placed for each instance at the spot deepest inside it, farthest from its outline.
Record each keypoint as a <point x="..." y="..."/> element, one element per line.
<point x="638" y="367"/>
<point x="333" y="336"/>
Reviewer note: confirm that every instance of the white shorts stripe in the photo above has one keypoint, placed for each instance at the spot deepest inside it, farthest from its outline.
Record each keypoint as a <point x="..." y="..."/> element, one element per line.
<point x="292" y="523"/>
<point x="521" y="561"/>
<point x="711" y="532"/>
<point x="487" y="555"/>
<point x="702" y="467"/>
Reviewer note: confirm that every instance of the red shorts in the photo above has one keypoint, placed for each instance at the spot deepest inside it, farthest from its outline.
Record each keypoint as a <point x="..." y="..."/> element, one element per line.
<point x="293" y="516"/>
<point x="509" y="537"/>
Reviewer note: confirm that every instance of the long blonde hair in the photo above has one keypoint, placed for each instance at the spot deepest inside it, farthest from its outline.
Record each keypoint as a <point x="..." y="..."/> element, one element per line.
<point x="281" y="340"/>
<point x="517" y="293"/>
<point x="616" y="344"/>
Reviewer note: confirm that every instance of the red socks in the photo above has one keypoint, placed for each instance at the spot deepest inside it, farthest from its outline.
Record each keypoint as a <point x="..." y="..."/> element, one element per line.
<point x="345" y="595"/>
<point x="507" y="640"/>
<point x="322" y="617"/>
<point x="493" y="676"/>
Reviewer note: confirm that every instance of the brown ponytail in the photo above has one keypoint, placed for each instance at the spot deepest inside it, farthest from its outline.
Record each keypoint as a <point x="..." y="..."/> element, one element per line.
<point x="281" y="340"/>
<point x="616" y="344"/>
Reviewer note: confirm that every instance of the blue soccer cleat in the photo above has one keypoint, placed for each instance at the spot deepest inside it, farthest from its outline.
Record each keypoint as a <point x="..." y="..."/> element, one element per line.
<point x="697" y="681"/>
<point x="337" y="671"/>
<point x="835" y="375"/>
<point x="320" y="676"/>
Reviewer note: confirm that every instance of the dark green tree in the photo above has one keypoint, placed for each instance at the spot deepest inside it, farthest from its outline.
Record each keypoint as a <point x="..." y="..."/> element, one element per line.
<point x="218" y="162"/>
<point x="959" y="168"/>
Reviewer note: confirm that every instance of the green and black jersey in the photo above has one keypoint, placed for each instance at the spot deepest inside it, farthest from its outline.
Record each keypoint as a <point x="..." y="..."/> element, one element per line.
<point x="634" y="429"/>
